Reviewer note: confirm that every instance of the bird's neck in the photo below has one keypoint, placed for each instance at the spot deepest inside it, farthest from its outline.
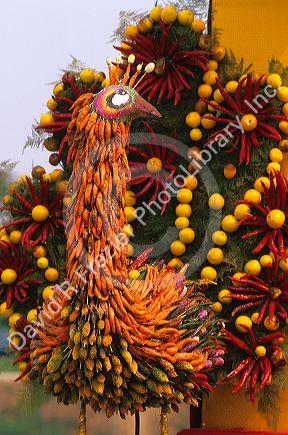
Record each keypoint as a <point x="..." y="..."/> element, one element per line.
<point x="97" y="250"/>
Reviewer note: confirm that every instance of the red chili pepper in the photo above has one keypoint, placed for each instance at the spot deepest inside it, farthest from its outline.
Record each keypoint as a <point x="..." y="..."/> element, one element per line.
<point x="141" y="259"/>
<point x="245" y="375"/>
<point x="239" y="368"/>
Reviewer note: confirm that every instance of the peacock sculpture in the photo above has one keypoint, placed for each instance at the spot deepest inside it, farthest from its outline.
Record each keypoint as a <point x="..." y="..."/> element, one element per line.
<point x="118" y="344"/>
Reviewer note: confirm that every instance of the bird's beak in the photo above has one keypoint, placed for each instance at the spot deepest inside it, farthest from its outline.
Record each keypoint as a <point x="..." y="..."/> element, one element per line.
<point x="145" y="109"/>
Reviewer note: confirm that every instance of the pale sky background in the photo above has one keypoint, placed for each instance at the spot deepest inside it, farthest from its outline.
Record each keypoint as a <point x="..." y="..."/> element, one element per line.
<point x="36" y="41"/>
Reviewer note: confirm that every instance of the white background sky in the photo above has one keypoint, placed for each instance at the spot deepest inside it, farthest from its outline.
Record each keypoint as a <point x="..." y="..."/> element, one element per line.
<point x="36" y="40"/>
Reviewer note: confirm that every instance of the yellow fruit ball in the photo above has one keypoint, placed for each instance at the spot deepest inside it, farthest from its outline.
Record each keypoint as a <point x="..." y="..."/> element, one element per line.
<point x="219" y="238"/>
<point x="131" y="32"/>
<point x="145" y="25"/>
<point x="175" y="263"/>
<point x="128" y="230"/>
<point x="8" y="276"/>
<point x="15" y="237"/>
<point x="193" y="119"/>
<point x="130" y="198"/>
<point x="260" y="351"/>
<point x="253" y="267"/>
<point x="22" y="366"/>
<point x="56" y="175"/>
<point x="22" y="180"/>
<point x="210" y="77"/>
<point x="48" y="292"/>
<point x="283" y="264"/>
<point x="229" y="171"/>
<point x="282" y="94"/>
<point x="184" y="195"/>
<point x="154" y="165"/>
<point x="283" y="126"/>
<point x="134" y="274"/>
<point x="130" y="250"/>
<point x="46" y="118"/>
<point x="216" y="202"/>
<point x="87" y="76"/>
<point x="61" y="187"/>
<point x="183" y="210"/>
<point x="14" y="319"/>
<point x="168" y="15"/>
<point x="241" y="211"/>
<point x="275" y="219"/>
<point x="5" y="238"/>
<point x="216" y="307"/>
<point x="210" y="107"/>
<point x="237" y="275"/>
<point x="7" y="199"/>
<point x="40" y="213"/>
<point x="215" y="256"/>
<point x="4" y="311"/>
<point x="231" y="86"/>
<point x="207" y="123"/>
<point x="266" y="261"/>
<point x="3" y="232"/>
<point x="185" y="17"/>
<point x="39" y="251"/>
<point x="42" y="263"/>
<point x="155" y="14"/>
<point x="99" y="76"/>
<point x="58" y="88"/>
<point x="198" y="26"/>
<point x="195" y="134"/>
<point x="271" y="325"/>
<point x="177" y="248"/>
<point x="32" y="315"/>
<point x="218" y="97"/>
<point x="67" y="200"/>
<point x="105" y="83"/>
<point x="273" y="166"/>
<point x="276" y="155"/>
<point x="223" y="296"/>
<point x="254" y="317"/>
<point x="181" y="222"/>
<point x="285" y="109"/>
<point x="51" y="274"/>
<point x="130" y="213"/>
<point x="205" y="91"/>
<point x="209" y="272"/>
<point x="47" y="178"/>
<point x="51" y="104"/>
<point x="249" y="122"/>
<point x="212" y="65"/>
<point x="218" y="52"/>
<point x="253" y="195"/>
<point x="187" y="235"/>
<point x="229" y="223"/>
<point x="274" y="80"/>
<point x="51" y="144"/>
<point x="258" y="185"/>
<point x="191" y="182"/>
<point x="243" y="321"/>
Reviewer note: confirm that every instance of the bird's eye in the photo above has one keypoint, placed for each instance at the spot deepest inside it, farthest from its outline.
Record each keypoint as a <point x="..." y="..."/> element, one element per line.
<point x="121" y="92"/>
<point x="118" y="99"/>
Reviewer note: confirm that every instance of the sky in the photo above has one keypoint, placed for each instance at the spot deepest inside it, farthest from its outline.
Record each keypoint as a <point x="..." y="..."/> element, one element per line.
<point x="37" y="39"/>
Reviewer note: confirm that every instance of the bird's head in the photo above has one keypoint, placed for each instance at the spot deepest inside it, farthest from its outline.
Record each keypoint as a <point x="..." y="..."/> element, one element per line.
<point x="122" y="103"/>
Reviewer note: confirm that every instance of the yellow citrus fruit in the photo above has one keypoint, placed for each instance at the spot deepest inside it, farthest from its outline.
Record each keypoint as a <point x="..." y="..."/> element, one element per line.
<point x="219" y="238"/>
<point x="283" y="264"/>
<point x="134" y="274"/>
<point x="168" y="15"/>
<point x="47" y="178"/>
<point x="254" y="317"/>
<point x="58" y="88"/>
<point x="283" y="126"/>
<point x="243" y="321"/>
<point x="184" y="195"/>
<point x="185" y="17"/>
<point x="207" y="123"/>
<point x="39" y="251"/>
<point x="15" y="237"/>
<point x="258" y="185"/>
<point x="46" y="118"/>
<point x="131" y="32"/>
<point x="177" y="248"/>
<point x="282" y="94"/>
<point x="218" y="52"/>
<point x="22" y="366"/>
<point x="218" y="97"/>
<point x="223" y="296"/>
<point x="260" y="351"/>
<point x="216" y="201"/>
<point x="230" y="171"/>
<point x="155" y="14"/>
<point x="266" y="261"/>
<point x="271" y="325"/>
<point x="273" y="166"/>
<point x="198" y="26"/>
<point x="253" y="267"/>
<point x="2" y="232"/>
<point x="193" y="119"/>
<point x="87" y="75"/>
<point x="4" y="311"/>
<point x="241" y="211"/>
<point x="205" y="91"/>
<point x="8" y="276"/>
<point x="175" y="263"/>
<point x="130" y="198"/>
<point x="7" y="199"/>
<point x="40" y="213"/>
<point x="191" y="182"/>
<point x="212" y="65"/>
<point x="275" y="219"/>
<point x="210" y="77"/>
<point x="67" y="200"/>
<point x="32" y="315"/>
<point x="231" y="86"/>
<point x="130" y="250"/>
<point x="229" y="223"/>
<point x="237" y="275"/>
<point x="276" y="155"/>
<point x="128" y="230"/>
<point x="274" y="80"/>
<point x="195" y="134"/>
<point x="209" y="272"/>
<point x="154" y="165"/>
<point x="130" y="213"/>
<point x="48" y="292"/>
<point x="5" y="238"/>
<point x="201" y="106"/>
<point x="183" y="210"/>
<point x="253" y="195"/>
<point x="187" y="235"/>
<point x="105" y="83"/>
<point x="249" y="122"/>
<point x="14" y="319"/>
<point x="215" y="256"/>
<point x="145" y="25"/>
<point x="56" y="175"/>
<point x="216" y="307"/>
<point x="51" y="274"/>
<point x="42" y="263"/>
<point x="99" y="76"/>
<point x="285" y="109"/>
<point x="61" y="186"/>
<point x="181" y="222"/>
<point x="210" y="107"/>
<point x="51" y="104"/>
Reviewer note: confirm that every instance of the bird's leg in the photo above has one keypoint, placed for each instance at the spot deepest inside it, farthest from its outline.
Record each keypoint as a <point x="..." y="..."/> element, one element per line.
<point x="164" y="429"/>
<point x="82" y="419"/>
<point x="137" y="423"/>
